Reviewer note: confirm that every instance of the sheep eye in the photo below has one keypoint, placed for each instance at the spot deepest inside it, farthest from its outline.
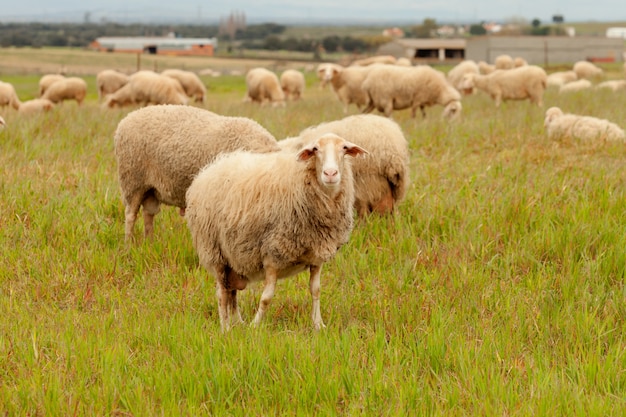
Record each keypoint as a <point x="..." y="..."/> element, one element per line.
<point x="314" y="149"/>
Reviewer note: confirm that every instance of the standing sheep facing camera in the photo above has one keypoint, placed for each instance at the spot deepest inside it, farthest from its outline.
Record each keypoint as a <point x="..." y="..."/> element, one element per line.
<point x="561" y="125"/>
<point x="390" y="87"/>
<point x="191" y="83"/>
<point x="292" y="82"/>
<point x="381" y="178"/>
<point x="109" y="81"/>
<point x="263" y="217"/>
<point x="527" y="82"/>
<point x="70" y="88"/>
<point x="159" y="149"/>
<point x="264" y="87"/>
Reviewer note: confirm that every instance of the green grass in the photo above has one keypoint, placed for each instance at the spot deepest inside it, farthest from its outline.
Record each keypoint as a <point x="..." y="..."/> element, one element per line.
<point x="497" y="289"/>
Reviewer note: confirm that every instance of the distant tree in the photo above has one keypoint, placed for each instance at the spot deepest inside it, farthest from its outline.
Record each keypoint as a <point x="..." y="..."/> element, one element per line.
<point x="477" y="29"/>
<point x="558" y="18"/>
<point x="273" y="43"/>
<point x="536" y="23"/>
<point x="426" y="29"/>
<point x="331" y="43"/>
<point x="229" y="26"/>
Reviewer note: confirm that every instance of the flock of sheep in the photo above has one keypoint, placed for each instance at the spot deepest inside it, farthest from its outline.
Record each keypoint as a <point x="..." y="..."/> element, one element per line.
<point x="288" y="207"/>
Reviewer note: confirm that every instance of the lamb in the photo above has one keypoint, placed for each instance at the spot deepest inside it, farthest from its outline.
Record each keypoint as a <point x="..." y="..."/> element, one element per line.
<point x="34" y="106"/>
<point x="263" y="87"/>
<point x="160" y="148"/>
<point x="191" y="83"/>
<point x="455" y="75"/>
<point x="109" y="81"/>
<point x="613" y="85"/>
<point x="347" y="82"/>
<point x="390" y="87"/>
<point x="381" y="178"/>
<point x="70" y="88"/>
<point x="147" y="87"/>
<point x="47" y="80"/>
<point x="273" y="216"/>
<point x="588" y="70"/>
<point x="504" y="62"/>
<point x="575" y="86"/>
<point x="292" y="82"/>
<point x="527" y="82"/>
<point x="8" y="96"/>
<point x="559" y="78"/>
<point x="561" y="125"/>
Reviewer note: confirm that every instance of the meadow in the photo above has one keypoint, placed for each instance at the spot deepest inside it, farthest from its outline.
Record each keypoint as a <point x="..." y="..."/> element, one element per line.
<point x="497" y="289"/>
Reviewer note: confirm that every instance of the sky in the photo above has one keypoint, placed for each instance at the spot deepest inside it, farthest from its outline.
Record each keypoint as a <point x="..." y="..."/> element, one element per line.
<point x="312" y="11"/>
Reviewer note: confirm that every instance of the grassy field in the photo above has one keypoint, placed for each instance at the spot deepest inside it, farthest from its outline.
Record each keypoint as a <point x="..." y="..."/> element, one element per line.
<point x="496" y="290"/>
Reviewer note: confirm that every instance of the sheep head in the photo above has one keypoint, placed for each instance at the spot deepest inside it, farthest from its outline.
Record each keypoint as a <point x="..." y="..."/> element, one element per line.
<point x="551" y="114"/>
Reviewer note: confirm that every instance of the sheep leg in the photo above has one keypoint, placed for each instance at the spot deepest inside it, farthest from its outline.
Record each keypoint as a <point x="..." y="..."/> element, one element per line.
<point x="224" y="297"/>
<point x="315" y="272"/>
<point x="150" y="209"/>
<point x="268" y="292"/>
<point x="130" y="219"/>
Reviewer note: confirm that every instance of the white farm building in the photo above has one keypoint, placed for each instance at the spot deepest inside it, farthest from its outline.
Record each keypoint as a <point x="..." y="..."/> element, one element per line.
<point x="161" y="45"/>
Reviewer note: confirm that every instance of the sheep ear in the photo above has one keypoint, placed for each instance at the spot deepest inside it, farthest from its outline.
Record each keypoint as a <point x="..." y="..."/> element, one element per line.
<point x="353" y="150"/>
<point x="307" y="153"/>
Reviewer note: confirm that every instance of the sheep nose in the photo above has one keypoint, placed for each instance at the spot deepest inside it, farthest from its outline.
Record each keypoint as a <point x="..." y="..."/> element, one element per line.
<point x="331" y="172"/>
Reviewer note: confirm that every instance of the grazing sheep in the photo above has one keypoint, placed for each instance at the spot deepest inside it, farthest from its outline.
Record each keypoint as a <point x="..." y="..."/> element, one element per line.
<point x="8" y="96"/>
<point x="145" y="88"/>
<point x="613" y="85"/>
<point x="264" y="87"/>
<point x="379" y="59"/>
<point x="324" y="72"/>
<point x="47" y="80"/>
<point x="575" y="86"/>
<point x="519" y="62"/>
<point x="191" y="83"/>
<point x="390" y="87"/>
<point x="561" y="125"/>
<point x="588" y="70"/>
<point x="381" y="178"/>
<point x="70" y="88"/>
<point x="455" y="75"/>
<point x="527" y="82"/>
<point x="346" y="83"/>
<point x="109" y="81"/>
<point x="486" y="68"/>
<point x="557" y="79"/>
<point x="34" y="106"/>
<point x="292" y="82"/>
<point x="262" y="217"/>
<point x="159" y="149"/>
<point x="504" y="62"/>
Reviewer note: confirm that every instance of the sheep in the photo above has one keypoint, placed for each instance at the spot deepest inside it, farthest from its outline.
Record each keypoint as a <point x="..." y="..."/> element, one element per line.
<point x="70" y="88"/>
<point x="292" y="82"/>
<point x="346" y="83"/>
<point x="8" y="96"/>
<point x="391" y="87"/>
<point x="2" y="123"/>
<point x="557" y="79"/>
<point x="455" y="75"/>
<point x="504" y="62"/>
<point x="34" y="106"/>
<point x="264" y="87"/>
<point x="575" y="86"/>
<point x="160" y="148"/>
<point x="613" y="85"/>
<point x="191" y="83"/>
<point x="519" y="62"/>
<point x="378" y="59"/>
<point x="47" y="80"/>
<point x="147" y="87"/>
<point x="527" y="82"/>
<point x="561" y="125"/>
<point x="262" y="217"/>
<point x="109" y="81"/>
<point x="486" y="68"/>
<point x="588" y="70"/>
<point x="404" y="62"/>
<point x="324" y="72"/>
<point x="381" y="178"/>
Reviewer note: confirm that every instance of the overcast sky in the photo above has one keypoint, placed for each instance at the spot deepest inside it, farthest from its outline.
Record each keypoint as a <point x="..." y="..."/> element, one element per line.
<point x="301" y="11"/>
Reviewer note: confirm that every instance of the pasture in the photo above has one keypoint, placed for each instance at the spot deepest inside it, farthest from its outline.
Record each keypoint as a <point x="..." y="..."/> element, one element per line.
<point x="496" y="289"/>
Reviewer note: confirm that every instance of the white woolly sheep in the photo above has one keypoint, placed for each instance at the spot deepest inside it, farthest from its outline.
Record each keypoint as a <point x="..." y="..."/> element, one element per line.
<point x="347" y="85"/>
<point x="390" y="87"/>
<point x="292" y="82"/>
<point x="47" y="80"/>
<point x="109" y="81"/>
<point x="455" y="75"/>
<point x="561" y="125"/>
<point x="263" y="217"/>
<point x="504" y="62"/>
<point x="263" y="87"/>
<point x="588" y="70"/>
<point x="575" y="86"/>
<point x="381" y="178"/>
<point x="613" y="85"/>
<point x="486" y="68"/>
<point x="159" y="149"/>
<point x="34" y="106"/>
<point x="8" y="96"/>
<point x="527" y="82"/>
<point x="147" y="87"/>
<point x="324" y="72"/>
<point x="378" y="59"/>
<point x="557" y="79"/>
<point x="191" y="83"/>
<point x="70" y="88"/>
<point x="519" y="62"/>
<point x="404" y="62"/>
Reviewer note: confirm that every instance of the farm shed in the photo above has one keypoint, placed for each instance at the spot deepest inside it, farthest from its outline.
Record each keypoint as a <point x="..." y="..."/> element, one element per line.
<point x="161" y="45"/>
<point x="425" y="49"/>
<point x="546" y="50"/>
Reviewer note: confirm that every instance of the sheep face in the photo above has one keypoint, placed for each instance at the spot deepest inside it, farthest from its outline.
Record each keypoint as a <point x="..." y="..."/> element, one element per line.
<point x="329" y="151"/>
<point x="452" y="111"/>
<point x="467" y="84"/>
<point x="551" y="114"/>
